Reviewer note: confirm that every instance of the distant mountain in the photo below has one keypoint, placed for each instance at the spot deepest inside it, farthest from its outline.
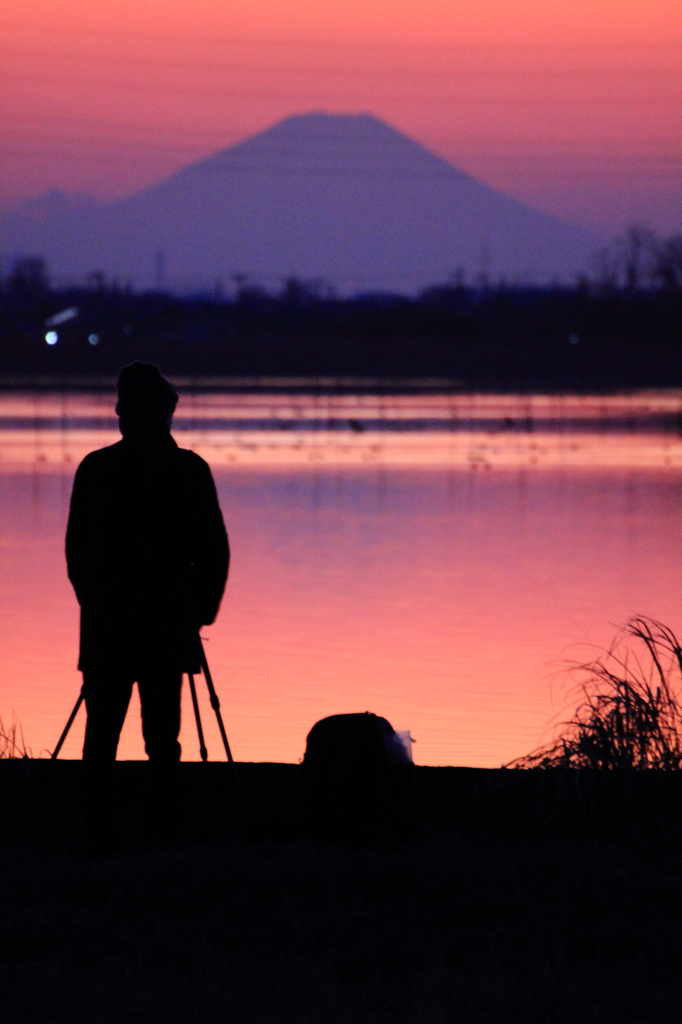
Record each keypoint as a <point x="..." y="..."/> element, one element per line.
<point x="344" y="198"/>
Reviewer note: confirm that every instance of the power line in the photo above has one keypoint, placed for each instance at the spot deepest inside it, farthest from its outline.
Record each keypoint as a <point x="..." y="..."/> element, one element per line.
<point x="277" y="154"/>
<point x="419" y="71"/>
<point x="251" y="94"/>
<point x="91" y="143"/>
<point x="508" y="172"/>
<point x="185" y="39"/>
<point x="211" y="133"/>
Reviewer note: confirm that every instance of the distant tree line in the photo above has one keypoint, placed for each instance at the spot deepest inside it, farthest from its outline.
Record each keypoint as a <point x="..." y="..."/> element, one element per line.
<point x="621" y="326"/>
<point x="640" y="258"/>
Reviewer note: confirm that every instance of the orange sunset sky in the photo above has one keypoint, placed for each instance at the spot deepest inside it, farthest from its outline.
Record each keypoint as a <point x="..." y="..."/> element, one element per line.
<point x="573" y="107"/>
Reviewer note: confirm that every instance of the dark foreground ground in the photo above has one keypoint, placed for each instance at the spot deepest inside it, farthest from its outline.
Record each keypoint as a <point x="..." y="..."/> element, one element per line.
<point x="522" y="896"/>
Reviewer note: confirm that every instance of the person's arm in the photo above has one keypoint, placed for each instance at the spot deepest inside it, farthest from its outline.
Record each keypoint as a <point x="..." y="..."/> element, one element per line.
<point x="76" y="530"/>
<point x="211" y="548"/>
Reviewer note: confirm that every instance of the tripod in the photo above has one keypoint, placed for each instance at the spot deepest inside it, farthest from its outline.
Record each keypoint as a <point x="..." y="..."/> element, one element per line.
<point x="215" y="704"/>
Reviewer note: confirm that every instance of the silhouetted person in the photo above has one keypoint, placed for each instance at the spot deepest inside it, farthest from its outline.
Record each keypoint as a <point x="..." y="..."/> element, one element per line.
<point x="147" y="555"/>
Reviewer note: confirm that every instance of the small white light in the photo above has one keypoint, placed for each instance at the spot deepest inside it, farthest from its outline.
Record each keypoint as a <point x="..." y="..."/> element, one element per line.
<point x="573" y="339"/>
<point x="52" y="337"/>
<point x="93" y="339"/>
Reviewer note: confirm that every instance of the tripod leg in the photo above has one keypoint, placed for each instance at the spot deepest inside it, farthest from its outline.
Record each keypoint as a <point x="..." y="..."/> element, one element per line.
<point x="68" y="725"/>
<point x="215" y="702"/>
<point x="195" y="704"/>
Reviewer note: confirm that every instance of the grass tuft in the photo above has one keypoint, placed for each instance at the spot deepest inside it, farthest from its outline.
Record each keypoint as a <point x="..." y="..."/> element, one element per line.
<point x="12" y="744"/>
<point x="629" y="716"/>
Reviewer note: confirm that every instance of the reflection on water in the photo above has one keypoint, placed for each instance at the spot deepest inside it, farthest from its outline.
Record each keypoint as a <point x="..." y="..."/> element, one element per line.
<point x="353" y="429"/>
<point x="427" y="557"/>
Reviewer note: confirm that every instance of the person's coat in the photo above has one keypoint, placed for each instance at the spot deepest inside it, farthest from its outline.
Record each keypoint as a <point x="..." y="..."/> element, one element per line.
<point x="147" y="554"/>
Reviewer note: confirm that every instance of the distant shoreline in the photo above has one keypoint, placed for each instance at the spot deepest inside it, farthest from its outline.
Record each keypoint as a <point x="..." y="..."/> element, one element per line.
<point x="220" y="384"/>
<point x="460" y="339"/>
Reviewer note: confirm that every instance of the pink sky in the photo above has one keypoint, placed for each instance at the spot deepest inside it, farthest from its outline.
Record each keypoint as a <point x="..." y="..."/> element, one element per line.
<point x="573" y="108"/>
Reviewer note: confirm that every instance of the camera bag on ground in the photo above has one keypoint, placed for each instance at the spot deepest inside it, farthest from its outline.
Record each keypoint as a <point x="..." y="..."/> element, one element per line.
<point x="358" y="779"/>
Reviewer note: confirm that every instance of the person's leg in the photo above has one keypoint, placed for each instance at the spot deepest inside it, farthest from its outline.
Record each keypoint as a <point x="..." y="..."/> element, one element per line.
<point x="107" y="696"/>
<point x="160" y="702"/>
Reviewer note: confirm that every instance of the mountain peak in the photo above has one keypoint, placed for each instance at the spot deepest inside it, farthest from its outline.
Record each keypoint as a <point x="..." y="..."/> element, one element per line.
<point x="346" y="197"/>
<point x="318" y="136"/>
<point x="320" y="122"/>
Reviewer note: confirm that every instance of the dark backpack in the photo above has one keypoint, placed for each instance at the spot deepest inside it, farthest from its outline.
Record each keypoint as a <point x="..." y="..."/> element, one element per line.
<point x="358" y="781"/>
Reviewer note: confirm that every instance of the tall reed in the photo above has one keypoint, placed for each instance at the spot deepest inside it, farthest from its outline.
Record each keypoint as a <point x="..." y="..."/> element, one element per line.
<point x="629" y="715"/>
<point x="12" y="745"/>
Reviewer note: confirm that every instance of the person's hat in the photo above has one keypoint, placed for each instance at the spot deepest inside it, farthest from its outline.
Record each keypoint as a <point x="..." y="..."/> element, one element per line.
<point x="144" y="391"/>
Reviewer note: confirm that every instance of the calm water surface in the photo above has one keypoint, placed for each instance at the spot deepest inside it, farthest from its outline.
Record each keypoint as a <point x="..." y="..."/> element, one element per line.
<point x="432" y="558"/>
